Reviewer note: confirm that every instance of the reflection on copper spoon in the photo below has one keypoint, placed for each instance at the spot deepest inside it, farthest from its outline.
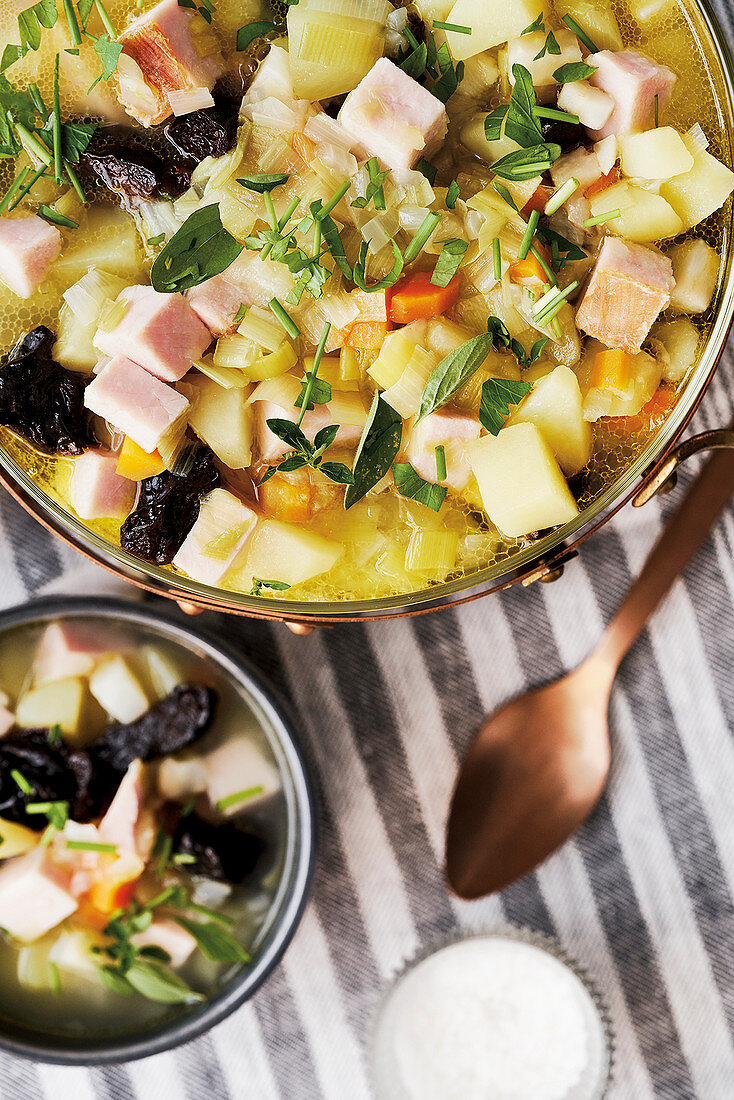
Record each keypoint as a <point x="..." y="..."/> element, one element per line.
<point x="537" y="767"/>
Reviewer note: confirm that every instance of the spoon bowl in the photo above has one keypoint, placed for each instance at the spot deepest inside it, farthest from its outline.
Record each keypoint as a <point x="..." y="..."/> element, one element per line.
<point x="537" y="768"/>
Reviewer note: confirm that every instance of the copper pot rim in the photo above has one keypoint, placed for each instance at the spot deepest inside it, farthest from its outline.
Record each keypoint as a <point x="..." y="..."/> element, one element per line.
<point x="534" y="562"/>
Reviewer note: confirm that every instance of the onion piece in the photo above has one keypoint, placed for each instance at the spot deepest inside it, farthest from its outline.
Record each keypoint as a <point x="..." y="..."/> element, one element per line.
<point x="695" y="139"/>
<point x="188" y="100"/>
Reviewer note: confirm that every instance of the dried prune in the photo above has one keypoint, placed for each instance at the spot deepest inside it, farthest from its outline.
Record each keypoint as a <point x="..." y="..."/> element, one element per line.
<point x="133" y="173"/>
<point x="225" y="853"/>
<point x="41" y="400"/>
<point x="210" y="132"/>
<point x="557" y="132"/>
<point x="44" y="765"/>
<point x="167" y="509"/>
<point x="169" y="726"/>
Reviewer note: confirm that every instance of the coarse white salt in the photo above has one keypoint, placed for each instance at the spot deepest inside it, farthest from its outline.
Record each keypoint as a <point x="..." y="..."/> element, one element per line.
<point x="489" y="1018"/>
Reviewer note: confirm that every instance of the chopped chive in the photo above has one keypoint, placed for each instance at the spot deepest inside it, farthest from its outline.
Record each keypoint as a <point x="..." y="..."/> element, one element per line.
<point x="425" y="231"/>
<point x="559" y="116"/>
<point x="189" y="806"/>
<point x="440" y="463"/>
<point x="91" y="846"/>
<point x="657" y="107"/>
<point x="411" y="38"/>
<point x="581" y="35"/>
<point x="333" y="201"/>
<point x="497" y="258"/>
<point x="545" y="300"/>
<point x="313" y="372"/>
<point x="182" y="858"/>
<point x="288" y="213"/>
<point x="162" y="850"/>
<point x="285" y="319"/>
<point x="48" y="834"/>
<point x="239" y="796"/>
<point x="527" y="237"/>
<point x="37" y="100"/>
<point x="76" y="38"/>
<point x="551" y="308"/>
<point x="556" y="326"/>
<point x="106" y="21"/>
<point x="21" y="781"/>
<point x="73" y="180"/>
<point x="270" y="208"/>
<point x="558" y="198"/>
<point x="155" y="241"/>
<point x="14" y="188"/>
<point x="456" y="27"/>
<point x="30" y="142"/>
<point x="52" y="215"/>
<point x="608" y="216"/>
<point x="453" y="193"/>
<point x="57" y="124"/>
<point x="202" y="910"/>
<point x="240" y="316"/>
<point x="541" y="260"/>
<point x="379" y="196"/>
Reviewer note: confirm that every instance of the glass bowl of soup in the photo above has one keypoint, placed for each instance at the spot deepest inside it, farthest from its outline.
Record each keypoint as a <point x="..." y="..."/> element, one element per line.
<point x="157" y="831"/>
<point x="367" y="308"/>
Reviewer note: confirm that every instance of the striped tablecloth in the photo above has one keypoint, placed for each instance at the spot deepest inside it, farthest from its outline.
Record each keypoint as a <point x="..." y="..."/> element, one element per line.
<point x="643" y="897"/>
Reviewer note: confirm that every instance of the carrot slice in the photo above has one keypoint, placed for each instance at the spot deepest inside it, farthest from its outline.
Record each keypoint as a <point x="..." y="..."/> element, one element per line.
<point x="115" y="886"/>
<point x="366" y="334"/>
<point x="650" y="416"/>
<point x="522" y="271"/>
<point x="416" y="298"/>
<point x="537" y="200"/>
<point x="136" y="464"/>
<point x="610" y="370"/>
<point x="612" y="176"/>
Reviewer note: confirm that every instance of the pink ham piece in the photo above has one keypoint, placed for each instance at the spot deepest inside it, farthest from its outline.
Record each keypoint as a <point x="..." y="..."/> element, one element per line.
<point x="135" y="402"/>
<point x="629" y="286"/>
<point x="394" y="118"/>
<point x="437" y="429"/>
<point x="65" y="649"/>
<point x="161" y="332"/>
<point x="28" y="247"/>
<point x="162" y="45"/>
<point x="33" y="896"/>
<point x="632" y="81"/>
<point x="271" y="448"/>
<point x="217" y="302"/>
<point x="170" y="936"/>
<point x="193" y="558"/>
<point x="124" y="824"/>
<point x="97" y="491"/>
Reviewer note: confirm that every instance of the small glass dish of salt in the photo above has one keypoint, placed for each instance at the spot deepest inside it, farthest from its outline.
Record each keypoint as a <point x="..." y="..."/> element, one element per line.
<point x="494" y="1016"/>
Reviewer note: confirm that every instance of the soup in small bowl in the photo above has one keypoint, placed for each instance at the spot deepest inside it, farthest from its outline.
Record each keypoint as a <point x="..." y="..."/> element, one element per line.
<point x="156" y="832"/>
<point x="339" y="304"/>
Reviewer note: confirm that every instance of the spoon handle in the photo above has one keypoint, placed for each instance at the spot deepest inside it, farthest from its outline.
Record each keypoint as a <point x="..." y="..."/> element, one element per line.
<point x="678" y="542"/>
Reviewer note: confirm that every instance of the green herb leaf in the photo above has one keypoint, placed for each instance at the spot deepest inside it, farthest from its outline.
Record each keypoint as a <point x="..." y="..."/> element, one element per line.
<point x="416" y="61"/>
<point x="290" y="434"/>
<point x="537" y="25"/>
<point x="359" y="273"/>
<point x="109" y="54"/>
<point x="332" y="239"/>
<point x="427" y="169"/>
<point x="525" y="164"/>
<point x="113" y="980"/>
<point x="246" y="35"/>
<point x="410" y="484"/>
<point x="375" y="187"/>
<point x="580" y="34"/>
<point x="453" y="372"/>
<point x="572" y="71"/>
<point x="450" y="77"/>
<point x="32" y="20"/>
<point x="377" y="449"/>
<point x="240" y="796"/>
<point x="91" y="846"/>
<point x="319" y="393"/>
<point x="563" y="251"/>
<point x="154" y="242"/>
<point x="51" y="215"/>
<point x="504" y="194"/>
<point x="440" y="453"/>
<point x="549" y="46"/>
<point x="453" y="193"/>
<point x="264" y="184"/>
<point x="497" y="396"/>
<point x="337" y="471"/>
<point x="201" y="249"/>
<point x="449" y="260"/>
<point x="501" y="339"/>
<point x="75" y="137"/>
<point x="494" y="122"/>
<point x="274" y="586"/>
<point x="522" y="125"/>
<point x="214" y="941"/>
<point x="158" y="984"/>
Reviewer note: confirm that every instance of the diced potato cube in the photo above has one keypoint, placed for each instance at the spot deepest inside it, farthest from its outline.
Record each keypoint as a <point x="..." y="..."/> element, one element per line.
<point x="117" y="689"/>
<point x="597" y="18"/>
<point x="654" y="154"/>
<point x="522" y="487"/>
<point x="644" y="216"/>
<point x="34" y="971"/>
<point x="525" y="50"/>
<point x="695" y="270"/>
<point x="435" y="9"/>
<point x="72" y="953"/>
<point x="555" y="406"/>
<point x="16" y="839"/>
<point x="697" y="193"/>
<point x="60" y="703"/>
<point x="277" y="551"/>
<point x="221" y="418"/>
<point x="491" y="24"/>
<point x="163" y="672"/>
<point x="592" y="105"/>
<point x="473" y="137"/>
<point x="74" y="347"/>
<point x="680" y="340"/>
<point x="480" y="73"/>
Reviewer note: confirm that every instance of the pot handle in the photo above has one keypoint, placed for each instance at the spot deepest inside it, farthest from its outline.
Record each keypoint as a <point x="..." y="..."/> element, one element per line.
<point x="663" y="476"/>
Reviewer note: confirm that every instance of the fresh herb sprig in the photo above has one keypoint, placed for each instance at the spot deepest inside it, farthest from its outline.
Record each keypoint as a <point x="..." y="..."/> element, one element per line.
<point x="498" y="394"/>
<point x="304" y="453"/>
<point x="409" y="483"/>
<point x="273" y="586"/>
<point x="201" y="249"/>
<point x="377" y="450"/>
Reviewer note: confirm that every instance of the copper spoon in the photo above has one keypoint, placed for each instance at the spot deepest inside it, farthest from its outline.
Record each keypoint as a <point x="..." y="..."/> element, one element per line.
<point x="537" y="767"/>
